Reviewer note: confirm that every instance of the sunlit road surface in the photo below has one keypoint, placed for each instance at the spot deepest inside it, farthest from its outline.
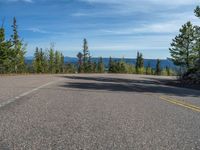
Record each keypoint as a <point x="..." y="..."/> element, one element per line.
<point x="89" y="112"/>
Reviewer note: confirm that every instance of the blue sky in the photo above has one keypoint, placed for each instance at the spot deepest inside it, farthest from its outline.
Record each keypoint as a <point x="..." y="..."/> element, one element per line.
<point x="117" y="28"/>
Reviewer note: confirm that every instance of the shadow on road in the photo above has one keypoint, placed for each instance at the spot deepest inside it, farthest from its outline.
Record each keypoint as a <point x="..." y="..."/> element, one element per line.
<point x="127" y="85"/>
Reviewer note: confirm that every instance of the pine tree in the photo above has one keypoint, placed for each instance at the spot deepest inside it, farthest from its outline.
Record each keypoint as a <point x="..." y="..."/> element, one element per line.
<point x="139" y="63"/>
<point x="18" y="49"/>
<point x="37" y="63"/>
<point x="85" y="55"/>
<point x="100" y="66"/>
<point x="80" y="62"/>
<point x="2" y="49"/>
<point x="168" y="71"/>
<point x="110" y="65"/>
<point x="197" y="11"/>
<point x="51" y="60"/>
<point x="197" y="42"/>
<point x="5" y="52"/>
<point x="57" y="62"/>
<point x="158" y="67"/>
<point x="62" y="64"/>
<point x="148" y="69"/>
<point x="94" y="67"/>
<point x="90" y="65"/>
<point x="182" y="47"/>
<point x="197" y="48"/>
<point x="122" y="66"/>
<point x="45" y="61"/>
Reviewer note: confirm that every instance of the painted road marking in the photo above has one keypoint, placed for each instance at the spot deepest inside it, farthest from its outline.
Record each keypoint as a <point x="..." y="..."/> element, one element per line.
<point x="25" y="94"/>
<point x="181" y="103"/>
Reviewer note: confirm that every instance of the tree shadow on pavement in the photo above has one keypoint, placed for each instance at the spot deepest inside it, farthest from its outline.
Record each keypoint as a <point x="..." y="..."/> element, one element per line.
<point x="174" y="82"/>
<point x="126" y="85"/>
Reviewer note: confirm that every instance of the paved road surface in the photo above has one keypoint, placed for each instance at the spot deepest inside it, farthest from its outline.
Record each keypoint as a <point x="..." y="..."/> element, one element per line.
<point x="89" y="112"/>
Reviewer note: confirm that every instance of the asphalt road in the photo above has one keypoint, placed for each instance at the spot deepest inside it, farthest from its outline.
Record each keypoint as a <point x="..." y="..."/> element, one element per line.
<point x="89" y="112"/>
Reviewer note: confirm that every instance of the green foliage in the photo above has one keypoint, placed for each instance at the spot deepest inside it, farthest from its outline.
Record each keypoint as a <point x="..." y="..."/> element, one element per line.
<point x="94" y="67"/>
<point x="139" y="66"/>
<point x="80" y="62"/>
<point x="19" y="50"/>
<point x="57" y="62"/>
<point x="158" y="67"/>
<point x="85" y="56"/>
<point x="120" y="67"/>
<point x="85" y="64"/>
<point x="62" y="63"/>
<point x="37" y="65"/>
<point x="70" y="68"/>
<point x="12" y="52"/>
<point x="197" y="48"/>
<point x="149" y="69"/>
<point x="167" y="72"/>
<point x="182" y="47"/>
<point x="51" y="60"/>
<point x="185" y="51"/>
<point x="197" y="11"/>
<point x="5" y="51"/>
<point x="89" y="68"/>
<point x="40" y="63"/>
<point x="100" y="66"/>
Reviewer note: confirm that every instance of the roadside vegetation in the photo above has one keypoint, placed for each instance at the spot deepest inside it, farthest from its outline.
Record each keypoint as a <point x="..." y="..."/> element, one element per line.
<point x="50" y="60"/>
<point x="185" y="53"/>
<point x="12" y="51"/>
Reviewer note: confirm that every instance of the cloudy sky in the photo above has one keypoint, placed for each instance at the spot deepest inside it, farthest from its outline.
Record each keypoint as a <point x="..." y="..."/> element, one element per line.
<point x="117" y="28"/>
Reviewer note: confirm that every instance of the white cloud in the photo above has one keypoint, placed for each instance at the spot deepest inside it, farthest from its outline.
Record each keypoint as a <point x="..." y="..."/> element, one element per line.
<point x="161" y="28"/>
<point x="38" y="30"/>
<point x="27" y="1"/>
<point x="162" y="2"/>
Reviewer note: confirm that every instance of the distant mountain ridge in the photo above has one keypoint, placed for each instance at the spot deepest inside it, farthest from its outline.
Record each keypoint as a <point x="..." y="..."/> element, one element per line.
<point x="74" y="60"/>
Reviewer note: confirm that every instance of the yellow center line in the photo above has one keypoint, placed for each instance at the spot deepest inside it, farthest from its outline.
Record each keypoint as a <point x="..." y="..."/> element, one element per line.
<point x="181" y="103"/>
<point x="185" y="103"/>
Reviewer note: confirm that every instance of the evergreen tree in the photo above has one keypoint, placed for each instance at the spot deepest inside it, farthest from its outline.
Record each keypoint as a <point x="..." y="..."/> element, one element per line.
<point x="139" y="63"/>
<point x="5" y="52"/>
<point x="3" y="55"/>
<point x="85" y="55"/>
<point x="40" y="61"/>
<point x="18" y="49"/>
<point x="57" y="62"/>
<point x="197" y="11"/>
<point x="122" y="66"/>
<point x="80" y="62"/>
<point x="90" y="65"/>
<point x="148" y="69"/>
<point x="158" y="67"/>
<point x="43" y="59"/>
<point x="182" y="47"/>
<point x="168" y="71"/>
<point x="100" y="66"/>
<point x="70" y="68"/>
<point x="197" y="42"/>
<point x="197" y="48"/>
<point x="51" y="60"/>
<point x="45" y="64"/>
<point x="62" y="64"/>
<point x="110" y="65"/>
<point x="94" y="67"/>
<point x="37" y="62"/>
